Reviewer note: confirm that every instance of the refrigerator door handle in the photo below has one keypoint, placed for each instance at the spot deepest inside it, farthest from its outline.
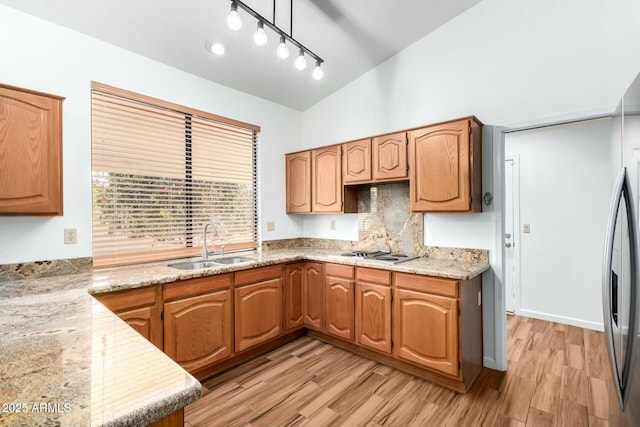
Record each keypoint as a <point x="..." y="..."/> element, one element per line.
<point x="621" y="191"/>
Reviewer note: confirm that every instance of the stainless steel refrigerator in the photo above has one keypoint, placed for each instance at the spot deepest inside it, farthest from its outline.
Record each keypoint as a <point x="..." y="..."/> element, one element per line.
<point x="621" y="266"/>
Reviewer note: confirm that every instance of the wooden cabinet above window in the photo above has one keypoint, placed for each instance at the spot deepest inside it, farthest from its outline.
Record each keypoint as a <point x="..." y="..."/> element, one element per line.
<point x="30" y="152"/>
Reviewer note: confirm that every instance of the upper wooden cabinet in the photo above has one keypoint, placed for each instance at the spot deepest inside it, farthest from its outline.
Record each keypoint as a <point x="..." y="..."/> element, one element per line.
<point x="299" y="182"/>
<point x="326" y="180"/>
<point x="30" y="152"/>
<point x="356" y="162"/>
<point x="446" y="168"/>
<point x="390" y="157"/>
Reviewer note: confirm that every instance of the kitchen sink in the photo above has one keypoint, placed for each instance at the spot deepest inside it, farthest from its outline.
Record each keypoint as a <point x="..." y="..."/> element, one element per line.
<point x="232" y="260"/>
<point x="194" y="265"/>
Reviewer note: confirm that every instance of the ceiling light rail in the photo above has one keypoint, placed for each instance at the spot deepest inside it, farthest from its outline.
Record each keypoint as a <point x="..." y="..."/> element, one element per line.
<point x="235" y="23"/>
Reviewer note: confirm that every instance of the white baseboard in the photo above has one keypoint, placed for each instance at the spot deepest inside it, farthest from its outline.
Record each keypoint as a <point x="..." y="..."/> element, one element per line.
<point x="561" y="319"/>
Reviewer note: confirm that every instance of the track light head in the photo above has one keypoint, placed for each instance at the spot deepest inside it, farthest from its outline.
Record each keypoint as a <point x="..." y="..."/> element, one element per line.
<point x="233" y="18"/>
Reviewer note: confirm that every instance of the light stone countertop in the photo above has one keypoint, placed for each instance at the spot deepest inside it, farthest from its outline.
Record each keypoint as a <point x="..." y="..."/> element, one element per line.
<point x="59" y="346"/>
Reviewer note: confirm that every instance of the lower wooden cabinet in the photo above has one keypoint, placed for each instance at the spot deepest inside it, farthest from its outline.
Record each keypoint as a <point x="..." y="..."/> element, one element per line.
<point x="373" y="316"/>
<point x="426" y="330"/>
<point x="339" y="300"/>
<point x="313" y="296"/>
<point x="293" y="292"/>
<point x="258" y="308"/>
<point x="198" y="329"/>
<point x="141" y="308"/>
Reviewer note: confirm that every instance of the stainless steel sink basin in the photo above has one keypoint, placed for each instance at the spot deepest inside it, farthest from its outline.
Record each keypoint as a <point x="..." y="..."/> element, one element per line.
<point x="232" y="260"/>
<point x="193" y="265"/>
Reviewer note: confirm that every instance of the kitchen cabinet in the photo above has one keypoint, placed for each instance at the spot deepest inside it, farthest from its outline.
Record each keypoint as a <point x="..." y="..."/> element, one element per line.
<point x="339" y="301"/>
<point x="373" y="309"/>
<point x="438" y="325"/>
<point x="390" y="157"/>
<point x="427" y="330"/>
<point x="140" y="308"/>
<point x="445" y="164"/>
<point x="326" y="180"/>
<point x="198" y="321"/>
<point x="313" y="295"/>
<point x="356" y="162"/>
<point x="258" y="306"/>
<point x="298" y="182"/>
<point x="293" y="291"/>
<point x="30" y="152"/>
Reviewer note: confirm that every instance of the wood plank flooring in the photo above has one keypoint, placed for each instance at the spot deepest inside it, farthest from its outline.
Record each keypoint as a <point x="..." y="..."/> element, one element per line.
<point x="557" y="376"/>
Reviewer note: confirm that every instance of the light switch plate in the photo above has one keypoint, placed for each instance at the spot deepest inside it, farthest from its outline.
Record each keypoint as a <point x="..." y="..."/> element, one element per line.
<point x="333" y="224"/>
<point x="271" y="226"/>
<point x="526" y="228"/>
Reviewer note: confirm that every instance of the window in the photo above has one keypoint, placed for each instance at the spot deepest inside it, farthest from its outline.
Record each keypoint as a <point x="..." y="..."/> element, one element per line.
<point x="160" y="172"/>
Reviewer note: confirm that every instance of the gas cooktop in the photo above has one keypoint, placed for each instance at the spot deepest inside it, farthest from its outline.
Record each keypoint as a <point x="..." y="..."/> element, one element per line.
<point x="380" y="256"/>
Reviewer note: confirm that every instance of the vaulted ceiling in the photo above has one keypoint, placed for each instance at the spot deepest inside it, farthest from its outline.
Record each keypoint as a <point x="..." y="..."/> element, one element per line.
<point x="351" y="36"/>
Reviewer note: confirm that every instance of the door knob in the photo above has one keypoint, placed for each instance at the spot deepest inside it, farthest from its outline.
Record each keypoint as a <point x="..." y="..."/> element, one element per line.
<point x="507" y="235"/>
<point x="508" y="244"/>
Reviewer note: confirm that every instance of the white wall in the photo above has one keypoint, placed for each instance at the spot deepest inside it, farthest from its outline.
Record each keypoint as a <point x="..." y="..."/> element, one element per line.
<point x="506" y="62"/>
<point x="565" y="191"/>
<point x="42" y="56"/>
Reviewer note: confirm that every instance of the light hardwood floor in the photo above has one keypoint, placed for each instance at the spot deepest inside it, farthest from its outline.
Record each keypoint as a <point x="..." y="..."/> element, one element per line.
<point x="557" y="375"/>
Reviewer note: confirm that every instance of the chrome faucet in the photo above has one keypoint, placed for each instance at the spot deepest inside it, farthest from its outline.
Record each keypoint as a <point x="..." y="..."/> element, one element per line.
<point x="205" y="250"/>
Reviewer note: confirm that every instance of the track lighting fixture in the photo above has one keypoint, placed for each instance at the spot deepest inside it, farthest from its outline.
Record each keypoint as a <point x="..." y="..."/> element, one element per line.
<point x="260" y="37"/>
<point x="233" y="18"/>
<point x="300" y="62"/>
<point x="234" y="21"/>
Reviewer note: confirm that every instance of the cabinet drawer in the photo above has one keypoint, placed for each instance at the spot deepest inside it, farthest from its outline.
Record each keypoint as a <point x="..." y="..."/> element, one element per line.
<point x="339" y="270"/>
<point x="246" y="277"/>
<point x="373" y="276"/>
<point x="432" y="285"/>
<point x="193" y="287"/>
<point x="128" y="299"/>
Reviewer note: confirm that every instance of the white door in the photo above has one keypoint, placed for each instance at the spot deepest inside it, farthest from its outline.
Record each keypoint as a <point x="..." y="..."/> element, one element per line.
<point x="509" y="240"/>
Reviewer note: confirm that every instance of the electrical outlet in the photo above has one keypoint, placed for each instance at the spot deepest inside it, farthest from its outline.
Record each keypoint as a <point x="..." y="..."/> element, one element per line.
<point x="70" y="236"/>
<point x="271" y="226"/>
<point x="479" y="298"/>
<point x="526" y="228"/>
<point x="333" y="224"/>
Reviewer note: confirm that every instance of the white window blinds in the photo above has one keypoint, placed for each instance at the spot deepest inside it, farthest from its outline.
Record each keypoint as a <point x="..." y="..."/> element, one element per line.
<point x="160" y="172"/>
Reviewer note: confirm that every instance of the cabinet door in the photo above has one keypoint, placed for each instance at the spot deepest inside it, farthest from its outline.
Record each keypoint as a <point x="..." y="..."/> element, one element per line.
<point x="258" y="313"/>
<point x="293" y="291"/>
<point x="298" y="182"/>
<point x="390" y="157"/>
<point x="339" y="307"/>
<point x="426" y="330"/>
<point x="146" y="321"/>
<point x="313" y="296"/>
<point x="30" y="152"/>
<point x="373" y="316"/>
<point x="356" y="161"/>
<point x="440" y="168"/>
<point x="198" y="329"/>
<point x="326" y="181"/>
<point x="141" y="308"/>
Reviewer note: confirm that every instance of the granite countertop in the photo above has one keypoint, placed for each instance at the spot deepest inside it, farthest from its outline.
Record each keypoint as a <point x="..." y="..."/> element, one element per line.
<point x="67" y="360"/>
<point x="113" y="279"/>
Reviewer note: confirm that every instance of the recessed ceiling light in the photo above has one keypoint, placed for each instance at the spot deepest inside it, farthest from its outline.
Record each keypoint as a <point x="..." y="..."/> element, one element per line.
<point x="217" y="48"/>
